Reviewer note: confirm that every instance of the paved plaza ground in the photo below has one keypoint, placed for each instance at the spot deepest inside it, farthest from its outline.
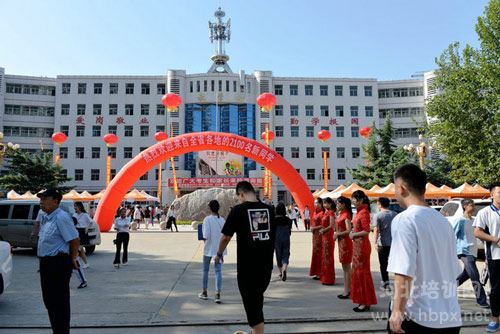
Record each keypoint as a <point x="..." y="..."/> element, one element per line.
<point x="157" y="293"/>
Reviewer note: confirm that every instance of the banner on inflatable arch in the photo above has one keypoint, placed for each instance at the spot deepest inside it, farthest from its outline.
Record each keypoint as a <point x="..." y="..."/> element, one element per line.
<point x="194" y="142"/>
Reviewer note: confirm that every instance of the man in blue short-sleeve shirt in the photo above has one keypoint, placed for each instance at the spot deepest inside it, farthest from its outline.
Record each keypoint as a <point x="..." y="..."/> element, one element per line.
<point x="57" y="249"/>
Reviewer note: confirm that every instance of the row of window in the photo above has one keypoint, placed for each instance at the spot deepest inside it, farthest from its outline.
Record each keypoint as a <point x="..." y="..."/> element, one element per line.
<point x="196" y="86"/>
<point x="95" y="174"/>
<point x="311" y="152"/>
<point x="128" y="109"/>
<point x="324" y="110"/>
<point x="128" y="130"/>
<point x="21" y="131"/>
<point x="401" y="112"/>
<point x="95" y="152"/>
<point x="406" y="133"/>
<point x="279" y="131"/>
<point x="323" y="90"/>
<point x="113" y="88"/>
<point x="30" y="89"/>
<point x="11" y="109"/>
<point x="400" y="92"/>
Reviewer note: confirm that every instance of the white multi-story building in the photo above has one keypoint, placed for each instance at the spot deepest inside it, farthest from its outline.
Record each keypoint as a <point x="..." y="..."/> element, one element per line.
<point x="88" y="107"/>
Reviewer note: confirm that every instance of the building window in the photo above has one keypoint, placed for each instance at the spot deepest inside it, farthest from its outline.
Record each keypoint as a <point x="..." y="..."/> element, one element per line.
<point x="309" y="131"/>
<point x="112" y="152"/>
<point x="144" y="131"/>
<point x="144" y="109"/>
<point x="327" y="128"/>
<point x="309" y="110"/>
<point x="416" y="91"/>
<point x="160" y="128"/>
<point x="80" y="152"/>
<point x="66" y="88"/>
<point x="354" y="111"/>
<point x="295" y="153"/>
<point x="368" y="111"/>
<point x="294" y="131"/>
<point x="353" y="90"/>
<point x="191" y="87"/>
<point x="64" y="129"/>
<point x="227" y="85"/>
<point x="129" y="109"/>
<point x="294" y="90"/>
<point x="278" y="89"/>
<point x="354" y="131"/>
<point x="113" y="109"/>
<point x="160" y="89"/>
<point x="280" y="151"/>
<point x="98" y="88"/>
<point x="323" y="90"/>
<point x="310" y="152"/>
<point x="129" y="131"/>
<point x="144" y="177"/>
<point x="94" y="175"/>
<point x="129" y="88"/>
<point x="308" y="90"/>
<point x="324" y="110"/>
<point x="80" y="130"/>
<point x="82" y="88"/>
<point x="198" y="87"/>
<point x="339" y="111"/>
<point x="339" y="131"/>
<point x="96" y="109"/>
<point x="325" y="150"/>
<point x="78" y="174"/>
<point x="356" y="152"/>
<point x="327" y="173"/>
<point x="311" y="173"/>
<point x="279" y="131"/>
<point x="278" y="110"/>
<point x="338" y="91"/>
<point x="96" y="131"/>
<point x="96" y="152"/>
<point x="80" y="109"/>
<point x="294" y="110"/>
<point x="160" y="109"/>
<point x="341" y="174"/>
<point x="340" y="152"/>
<point x="112" y="129"/>
<point x="205" y="85"/>
<point x="145" y="89"/>
<point x="368" y="90"/>
<point x="63" y="152"/>
<point x="212" y="85"/>
<point x="127" y="152"/>
<point x="64" y="109"/>
<point x="113" y="88"/>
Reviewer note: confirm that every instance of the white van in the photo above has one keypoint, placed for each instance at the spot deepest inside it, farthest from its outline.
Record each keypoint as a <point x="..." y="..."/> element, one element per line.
<point x="17" y="218"/>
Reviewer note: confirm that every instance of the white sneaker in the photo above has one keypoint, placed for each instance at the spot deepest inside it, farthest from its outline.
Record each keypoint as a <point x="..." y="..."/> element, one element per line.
<point x="117" y="265"/>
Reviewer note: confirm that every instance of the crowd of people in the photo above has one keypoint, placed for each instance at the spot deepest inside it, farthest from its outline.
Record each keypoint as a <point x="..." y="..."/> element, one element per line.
<point x="407" y="244"/>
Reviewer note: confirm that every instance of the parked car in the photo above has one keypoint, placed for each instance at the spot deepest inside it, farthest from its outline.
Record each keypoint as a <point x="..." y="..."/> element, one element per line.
<point x="17" y="218"/>
<point x="453" y="210"/>
<point x="5" y="266"/>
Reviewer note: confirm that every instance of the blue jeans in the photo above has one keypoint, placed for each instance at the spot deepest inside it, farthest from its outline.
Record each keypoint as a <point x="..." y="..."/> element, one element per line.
<point x="470" y="271"/>
<point x="218" y="273"/>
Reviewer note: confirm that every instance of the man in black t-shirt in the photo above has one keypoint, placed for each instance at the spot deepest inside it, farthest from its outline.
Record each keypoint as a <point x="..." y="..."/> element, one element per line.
<point x="253" y="223"/>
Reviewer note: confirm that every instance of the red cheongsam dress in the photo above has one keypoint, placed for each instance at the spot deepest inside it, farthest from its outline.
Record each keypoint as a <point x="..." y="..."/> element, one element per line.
<point x="317" y="245"/>
<point x="344" y="243"/>
<point x="327" y="266"/>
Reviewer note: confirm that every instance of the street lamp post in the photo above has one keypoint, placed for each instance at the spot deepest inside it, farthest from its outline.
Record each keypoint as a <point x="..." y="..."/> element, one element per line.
<point x="110" y="139"/>
<point x="324" y="135"/>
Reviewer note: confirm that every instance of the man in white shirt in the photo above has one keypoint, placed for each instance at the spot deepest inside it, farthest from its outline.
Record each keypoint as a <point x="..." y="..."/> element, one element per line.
<point x="487" y="228"/>
<point x="423" y="259"/>
<point x="122" y="225"/>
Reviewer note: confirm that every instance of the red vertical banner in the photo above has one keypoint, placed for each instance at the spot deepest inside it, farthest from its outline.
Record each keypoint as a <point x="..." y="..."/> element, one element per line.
<point x="108" y="170"/>
<point x="57" y="159"/>
<point x="159" y="193"/>
<point x="325" y="170"/>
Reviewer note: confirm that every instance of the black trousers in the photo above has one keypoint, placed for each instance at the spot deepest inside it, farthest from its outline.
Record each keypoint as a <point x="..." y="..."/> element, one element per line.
<point x="55" y="274"/>
<point x="170" y="221"/>
<point x="307" y="224"/>
<point x="295" y="222"/>
<point x="411" y="327"/>
<point x="121" y="238"/>
<point x="252" y="286"/>
<point x="383" y="258"/>
<point x="494" y="271"/>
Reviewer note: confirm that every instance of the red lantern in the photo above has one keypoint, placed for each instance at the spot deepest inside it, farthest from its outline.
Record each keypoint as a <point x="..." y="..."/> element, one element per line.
<point x="270" y="135"/>
<point x="365" y="132"/>
<point x="266" y="102"/>
<point x="171" y="101"/>
<point x="161" y="136"/>
<point x="59" y="138"/>
<point x="110" y="139"/>
<point x="324" y="135"/>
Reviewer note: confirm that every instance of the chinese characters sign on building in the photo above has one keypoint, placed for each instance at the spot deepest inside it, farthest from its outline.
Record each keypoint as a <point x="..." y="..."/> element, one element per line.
<point x="210" y="182"/>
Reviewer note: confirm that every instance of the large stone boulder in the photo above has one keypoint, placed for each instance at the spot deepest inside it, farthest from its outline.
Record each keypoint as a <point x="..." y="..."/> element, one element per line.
<point x="194" y="206"/>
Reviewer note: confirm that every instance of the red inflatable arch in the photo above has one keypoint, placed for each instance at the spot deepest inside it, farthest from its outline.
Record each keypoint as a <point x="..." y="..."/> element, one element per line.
<point x="192" y="142"/>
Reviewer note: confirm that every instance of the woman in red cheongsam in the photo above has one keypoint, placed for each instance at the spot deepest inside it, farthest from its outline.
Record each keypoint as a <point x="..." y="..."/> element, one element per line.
<point x="362" y="289"/>
<point x="317" y="241"/>
<point x="344" y="242"/>
<point x="327" y="276"/>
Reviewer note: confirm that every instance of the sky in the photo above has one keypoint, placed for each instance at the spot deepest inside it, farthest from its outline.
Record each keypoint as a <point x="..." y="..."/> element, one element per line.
<point x="383" y="39"/>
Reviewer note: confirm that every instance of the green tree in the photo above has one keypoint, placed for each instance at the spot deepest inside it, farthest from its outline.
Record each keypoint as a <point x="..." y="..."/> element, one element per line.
<point x="465" y="115"/>
<point x="32" y="172"/>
